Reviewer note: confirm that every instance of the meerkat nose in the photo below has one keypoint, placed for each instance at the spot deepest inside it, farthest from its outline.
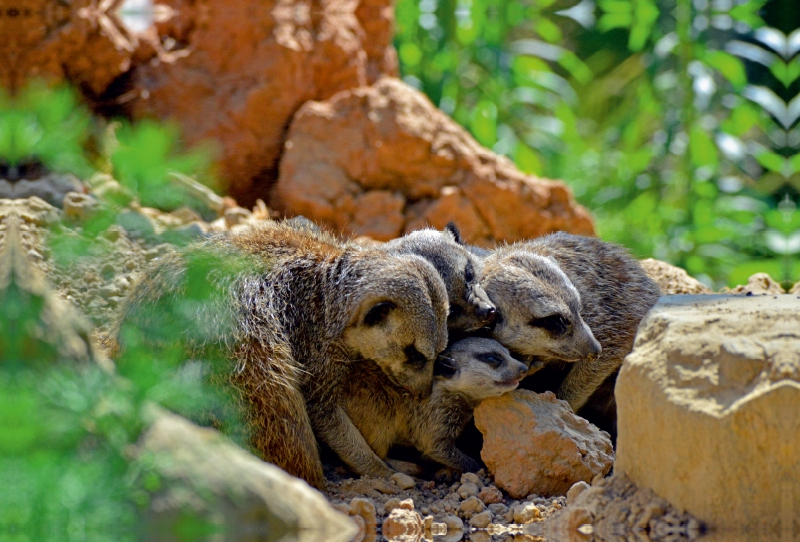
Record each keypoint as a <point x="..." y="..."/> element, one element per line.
<point x="487" y="314"/>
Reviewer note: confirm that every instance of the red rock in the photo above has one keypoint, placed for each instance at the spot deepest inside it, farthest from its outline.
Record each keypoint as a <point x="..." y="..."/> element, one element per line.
<point x="391" y="139"/>
<point x="534" y="443"/>
<point x="490" y="495"/>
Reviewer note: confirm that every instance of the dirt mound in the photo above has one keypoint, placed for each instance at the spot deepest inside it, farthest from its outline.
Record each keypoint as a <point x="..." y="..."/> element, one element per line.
<point x="382" y="160"/>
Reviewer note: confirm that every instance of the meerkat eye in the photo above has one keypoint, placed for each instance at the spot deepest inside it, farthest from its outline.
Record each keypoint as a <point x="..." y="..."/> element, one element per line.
<point x="445" y="367"/>
<point x="490" y="359"/>
<point x="469" y="273"/>
<point x="378" y="313"/>
<point x="455" y="310"/>
<point x="414" y="358"/>
<point x="555" y="324"/>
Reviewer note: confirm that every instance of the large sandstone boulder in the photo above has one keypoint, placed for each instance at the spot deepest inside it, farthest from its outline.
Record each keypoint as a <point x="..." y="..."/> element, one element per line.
<point x="202" y="473"/>
<point x="251" y="65"/>
<point x="707" y="405"/>
<point x="232" y="72"/>
<point x="671" y="279"/>
<point x="382" y="160"/>
<point x="534" y="444"/>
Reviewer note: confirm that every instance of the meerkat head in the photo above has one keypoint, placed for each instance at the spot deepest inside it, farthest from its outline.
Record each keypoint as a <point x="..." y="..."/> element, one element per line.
<point x="398" y="317"/>
<point x="539" y="309"/>
<point x="470" y="307"/>
<point x="477" y="368"/>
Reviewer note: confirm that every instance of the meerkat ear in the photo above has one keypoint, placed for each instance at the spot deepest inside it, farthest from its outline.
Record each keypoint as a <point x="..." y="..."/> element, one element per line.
<point x="378" y="313"/>
<point x="453" y="229"/>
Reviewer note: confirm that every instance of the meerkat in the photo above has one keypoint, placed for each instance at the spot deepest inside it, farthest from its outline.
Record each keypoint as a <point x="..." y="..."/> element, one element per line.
<point x="575" y="303"/>
<point x="470" y="307"/>
<point x="469" y="371"/>
<point x="296" y="310"/>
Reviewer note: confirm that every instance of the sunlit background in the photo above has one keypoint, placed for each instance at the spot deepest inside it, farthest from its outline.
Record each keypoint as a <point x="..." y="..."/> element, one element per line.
<point x="674" y="122"/>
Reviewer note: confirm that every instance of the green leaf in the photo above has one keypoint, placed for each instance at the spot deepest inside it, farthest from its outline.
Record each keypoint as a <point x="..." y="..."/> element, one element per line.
<point x="610" y="21"/>
<point x="729" y="66"/>
<point x="785" y="72"/>
<point x="484" y="123"/>
<point x="527" y="159"/>
<point x="548" y="30"/>
<point x="772" y="161"/>
<point x="702" y="149"/>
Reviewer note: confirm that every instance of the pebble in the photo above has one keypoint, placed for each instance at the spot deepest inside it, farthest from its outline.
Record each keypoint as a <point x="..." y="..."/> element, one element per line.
<point x="526" y="513"/>
<point x="468" y="489"/>
<point x="403" y="481"/>
<point x="471" y="506"/>
<point x="454" y="523"/>
<point x="576" y="489"/>
<point x="499" y="509"/>
<point x="471" y="478"/>
<point x="481" y="520"/>
<point x="490" y="495"/>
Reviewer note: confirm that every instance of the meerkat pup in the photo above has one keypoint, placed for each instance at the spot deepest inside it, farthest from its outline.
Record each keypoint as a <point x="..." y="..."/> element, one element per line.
<point x="470" y="307"/>
<point x="469" y="371"/>
<point x="573" y="302"/>
<point x="297" y="309"/>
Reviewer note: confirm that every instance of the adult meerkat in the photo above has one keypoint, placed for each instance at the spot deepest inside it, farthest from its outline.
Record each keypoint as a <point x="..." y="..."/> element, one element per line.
<point x="296" y="311"/>
<point x="575" y="303"/>
<point x="469" y="371"/>
<point x="470" y="307"/>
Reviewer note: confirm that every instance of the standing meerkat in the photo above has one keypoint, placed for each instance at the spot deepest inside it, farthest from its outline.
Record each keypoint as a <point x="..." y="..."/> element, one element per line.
<point x="469" y="371"/>
<point x="296" y="310"/>
<point x="575" y="303"/>
<point x="470" y="307"/>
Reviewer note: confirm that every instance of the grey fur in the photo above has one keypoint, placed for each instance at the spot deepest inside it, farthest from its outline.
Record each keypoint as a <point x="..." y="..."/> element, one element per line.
<point x="387" y="416"/>
<point x="470" y="307"/>
<point x="585" y="280"/>
<point x="292" y="318"/>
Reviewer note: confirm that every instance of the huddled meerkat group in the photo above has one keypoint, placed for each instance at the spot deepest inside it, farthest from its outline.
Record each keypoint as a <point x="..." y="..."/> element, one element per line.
<point x="346" y="344"/>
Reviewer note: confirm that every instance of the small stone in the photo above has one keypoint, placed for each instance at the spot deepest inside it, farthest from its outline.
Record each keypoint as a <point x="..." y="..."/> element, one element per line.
<point x="526" y="513"/>
<point x="236" y="215"/>
<point x="110" y="291"/>
<point x="471" y="506"/>
<point x="403" y="523"/>
<point x="364" y="510"/>
<point x="481" y="520"/>
<point x="576" y="489"/>
<point x="471" y="478"/>
<point x="406" y="504"/>
<point x="78" y="206"/>
<point x="498" y="509"/>
<point x="453" y="523"/>
<point x="468" y="490"/>
<point x="490" y="495"/>
<point x="403" y="481"/>
<point x="108" y="270"/>
<point x="390" y="505"/>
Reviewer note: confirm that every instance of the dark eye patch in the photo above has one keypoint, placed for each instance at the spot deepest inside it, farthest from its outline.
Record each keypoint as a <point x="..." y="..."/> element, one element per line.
<point x="491" y="359"/>
<point x="469" y="272"/>
<point x="414" y="358"/>
<point x="555" y="324"/>
<point x="378" y="313"/>
<point x="445" y="367"/>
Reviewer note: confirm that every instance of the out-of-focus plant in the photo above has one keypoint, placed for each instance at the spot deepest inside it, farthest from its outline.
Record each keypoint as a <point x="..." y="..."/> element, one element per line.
<point x="46" y="128"/>
<point x="69" y="425"/>
<point x="44" y="125"/>
<point x="675" y="121"/>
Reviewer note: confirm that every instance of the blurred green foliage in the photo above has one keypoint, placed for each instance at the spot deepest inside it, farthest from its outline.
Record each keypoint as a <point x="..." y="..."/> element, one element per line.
<point x="48" y="128"/>
<point x="672" y="120"/>
<point x="69" y="426"/>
